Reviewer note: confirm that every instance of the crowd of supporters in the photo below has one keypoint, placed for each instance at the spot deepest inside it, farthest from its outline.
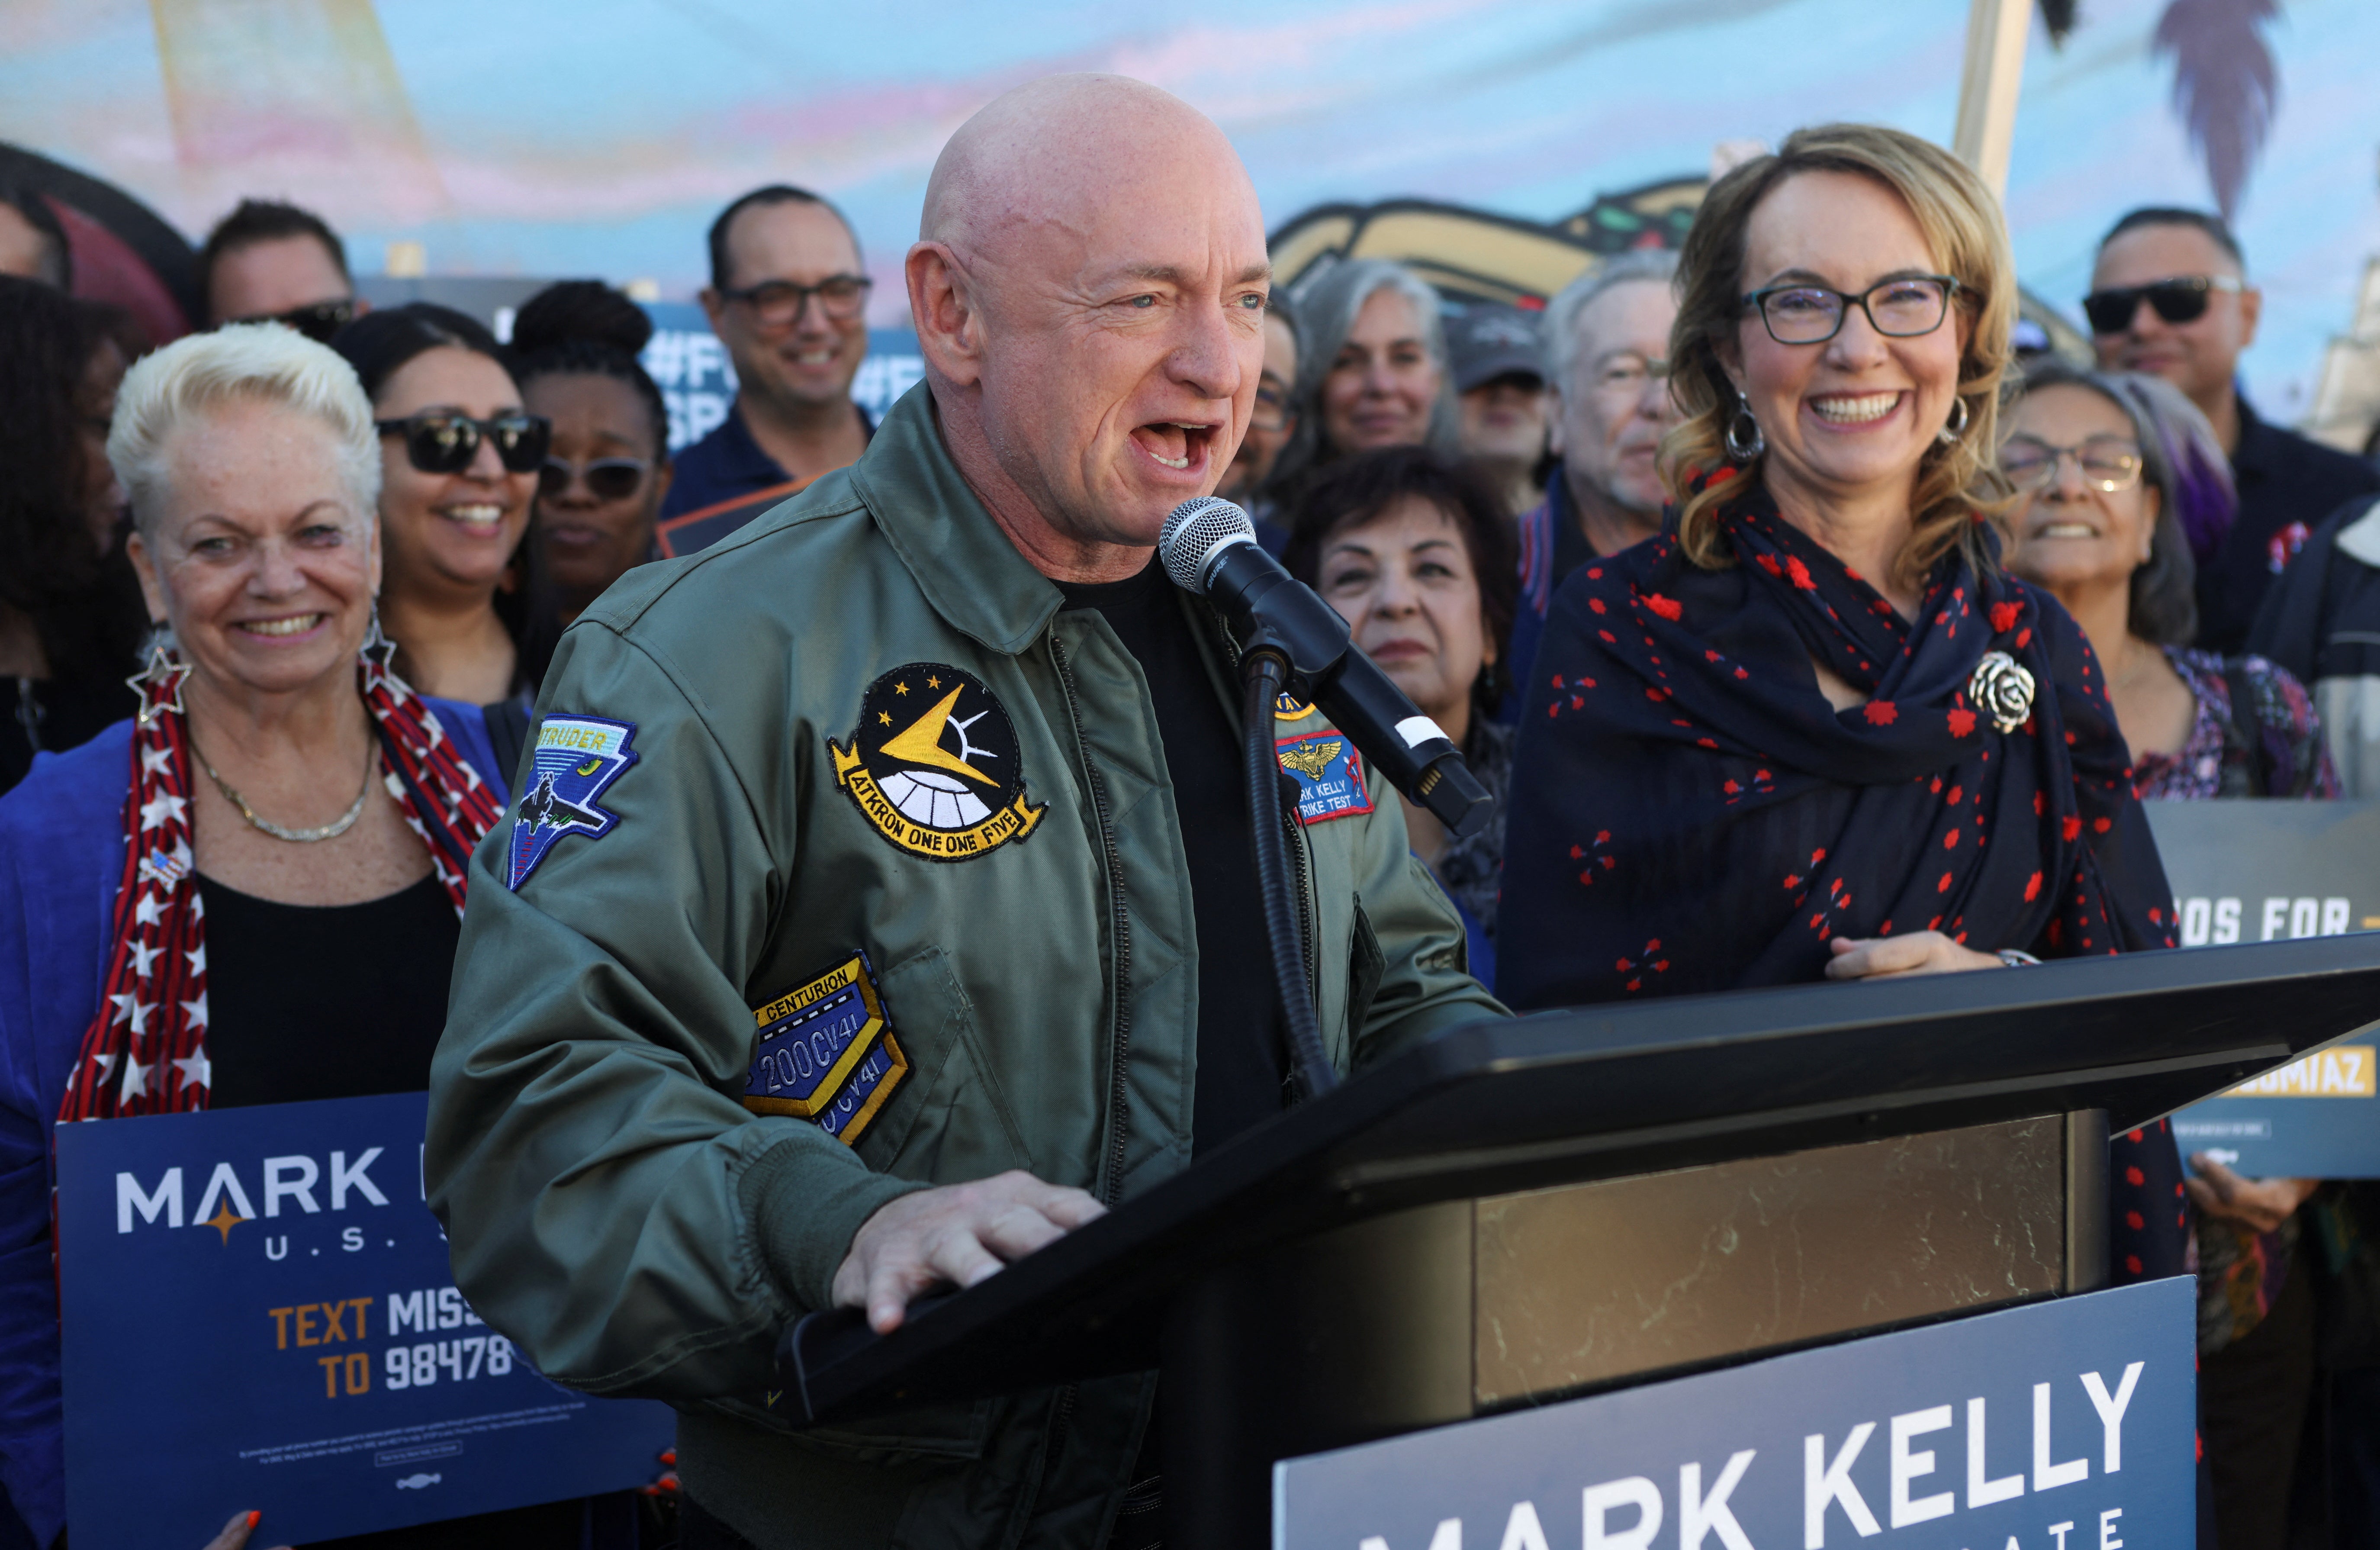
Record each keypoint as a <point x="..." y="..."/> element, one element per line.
<point x="1470" y="483"/>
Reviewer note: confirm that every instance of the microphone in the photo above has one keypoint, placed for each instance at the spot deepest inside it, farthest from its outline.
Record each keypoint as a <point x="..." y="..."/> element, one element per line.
<point x="1209" y="548"/>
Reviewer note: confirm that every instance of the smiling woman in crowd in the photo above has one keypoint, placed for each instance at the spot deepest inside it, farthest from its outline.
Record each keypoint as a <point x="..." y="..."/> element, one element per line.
<point x="608" y="467"/>
<point x="2114" y="472"/>
<point x="460" y="458"/>
<point x="1813" y="731"/>
<point x="250" y="893"/>
<point x="1413" y="550"/>
<point x="1372" y="372"/>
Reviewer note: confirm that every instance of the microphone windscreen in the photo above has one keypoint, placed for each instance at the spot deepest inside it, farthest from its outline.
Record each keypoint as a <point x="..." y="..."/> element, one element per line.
<point x="1194" y="531"/>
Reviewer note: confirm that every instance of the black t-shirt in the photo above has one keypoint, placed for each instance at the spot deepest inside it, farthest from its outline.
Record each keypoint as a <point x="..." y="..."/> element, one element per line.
<point x="1241" y="1076"/>
<point x="339" y="1001"/>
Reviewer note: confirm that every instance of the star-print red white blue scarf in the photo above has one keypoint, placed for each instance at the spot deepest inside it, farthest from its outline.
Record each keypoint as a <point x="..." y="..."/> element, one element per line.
<point x="145" y="1052"/>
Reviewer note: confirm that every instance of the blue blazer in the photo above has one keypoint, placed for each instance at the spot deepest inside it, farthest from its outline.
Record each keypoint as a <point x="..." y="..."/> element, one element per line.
<point x="61" y="860"/>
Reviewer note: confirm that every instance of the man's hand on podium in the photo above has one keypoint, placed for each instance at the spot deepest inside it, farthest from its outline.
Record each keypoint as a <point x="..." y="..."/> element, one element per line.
<point x="1919" y="952"/>
<point x="958" y="1235"/>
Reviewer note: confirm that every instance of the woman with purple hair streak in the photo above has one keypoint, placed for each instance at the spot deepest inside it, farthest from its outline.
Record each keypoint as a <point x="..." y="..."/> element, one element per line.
<point x="2121" y="480"/>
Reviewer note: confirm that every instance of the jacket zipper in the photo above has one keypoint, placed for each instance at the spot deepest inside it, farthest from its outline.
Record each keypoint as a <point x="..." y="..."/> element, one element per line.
<point x="1119" y="1091"/>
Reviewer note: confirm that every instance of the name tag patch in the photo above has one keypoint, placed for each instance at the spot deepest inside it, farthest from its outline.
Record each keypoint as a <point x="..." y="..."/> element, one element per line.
<point x="1329" y="778"/>
<point x="578" y="759"/>
<point x="825" y="1054"/>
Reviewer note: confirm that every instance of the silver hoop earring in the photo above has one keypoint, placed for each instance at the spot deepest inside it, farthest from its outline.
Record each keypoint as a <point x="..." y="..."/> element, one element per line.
<point x="1948" y="435"/>
<point x="1740" y="448"/>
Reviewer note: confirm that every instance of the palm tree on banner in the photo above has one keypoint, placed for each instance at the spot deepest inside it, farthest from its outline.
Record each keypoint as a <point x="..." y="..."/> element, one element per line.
<point x="2225" y="83"/>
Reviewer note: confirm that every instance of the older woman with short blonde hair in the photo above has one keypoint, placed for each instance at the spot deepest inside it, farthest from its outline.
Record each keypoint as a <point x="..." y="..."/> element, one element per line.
<point x="1815" y="729"/>
<point x="249" y="893"/>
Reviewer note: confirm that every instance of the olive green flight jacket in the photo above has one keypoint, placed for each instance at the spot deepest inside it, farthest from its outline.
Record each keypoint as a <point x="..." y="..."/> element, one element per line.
<point x="612" y="1205"/>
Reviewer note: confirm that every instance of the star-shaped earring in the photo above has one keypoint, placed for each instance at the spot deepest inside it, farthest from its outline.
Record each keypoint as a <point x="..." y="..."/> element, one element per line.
<point x="159" y="685"/>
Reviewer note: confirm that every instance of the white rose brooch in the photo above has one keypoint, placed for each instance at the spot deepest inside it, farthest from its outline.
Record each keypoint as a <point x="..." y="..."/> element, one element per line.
<point x="2002" y="689"/>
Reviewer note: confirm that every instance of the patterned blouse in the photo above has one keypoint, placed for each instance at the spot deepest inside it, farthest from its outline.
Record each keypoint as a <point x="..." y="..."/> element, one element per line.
<point x="2272" y="749"/>
<point x="2276" y="752"/>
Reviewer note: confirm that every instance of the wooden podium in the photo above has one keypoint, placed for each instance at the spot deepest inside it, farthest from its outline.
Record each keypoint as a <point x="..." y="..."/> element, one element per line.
<point x="1525" y="1211"/>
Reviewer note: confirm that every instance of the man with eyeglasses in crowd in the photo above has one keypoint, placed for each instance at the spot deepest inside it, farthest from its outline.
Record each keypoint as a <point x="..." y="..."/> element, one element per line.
<point x="2169" y="296"/>
<point x="267" y="261"/>
<point x="788" y="296"/>
<point x="1270" y="424"/>
<point x="1607" y="338"/>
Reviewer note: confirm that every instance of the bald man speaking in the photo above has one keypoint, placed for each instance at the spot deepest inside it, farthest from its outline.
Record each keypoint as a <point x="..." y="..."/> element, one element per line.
<point x="880" y="903"/>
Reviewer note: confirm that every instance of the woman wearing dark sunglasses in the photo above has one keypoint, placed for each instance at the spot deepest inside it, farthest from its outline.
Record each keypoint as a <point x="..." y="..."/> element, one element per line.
<point x="464" y="599"/>
<point x="608" y="467"/>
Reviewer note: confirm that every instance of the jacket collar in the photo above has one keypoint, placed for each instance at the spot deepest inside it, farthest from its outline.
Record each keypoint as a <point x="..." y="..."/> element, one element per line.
<point x="963" y="561"/>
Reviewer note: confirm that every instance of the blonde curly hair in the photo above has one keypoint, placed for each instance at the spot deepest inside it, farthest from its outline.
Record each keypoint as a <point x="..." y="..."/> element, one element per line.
<point x="1959" y="486"/>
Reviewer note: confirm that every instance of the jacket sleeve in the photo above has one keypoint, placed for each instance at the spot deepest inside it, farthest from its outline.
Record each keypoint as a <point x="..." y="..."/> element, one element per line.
<point x="1425" y="985"/>
<point x="609" y="1203"/>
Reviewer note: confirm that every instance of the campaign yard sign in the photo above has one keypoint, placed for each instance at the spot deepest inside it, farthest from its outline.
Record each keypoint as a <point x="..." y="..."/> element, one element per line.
<point x="2266" y="870"/>
<point x="259" y="1314"/>
<point x="2069" y="1424"/>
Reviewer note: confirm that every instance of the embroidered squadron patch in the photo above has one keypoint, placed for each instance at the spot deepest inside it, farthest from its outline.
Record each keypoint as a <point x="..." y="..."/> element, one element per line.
<point x="578" y="759"/>
<point x="824" y="1052"/>
<point x="1286" y="707"/>
<point x="933" y="764"/>
<point x="1330" y="779"/>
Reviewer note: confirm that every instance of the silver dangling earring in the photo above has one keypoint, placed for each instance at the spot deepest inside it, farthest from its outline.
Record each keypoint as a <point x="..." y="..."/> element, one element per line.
<point x="1948" y="435"/>
<point x="1739" y="448"/>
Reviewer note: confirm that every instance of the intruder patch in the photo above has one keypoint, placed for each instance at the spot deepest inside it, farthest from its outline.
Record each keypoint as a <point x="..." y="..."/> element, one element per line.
<point x="933" y="764"/>
<point x="825" y="1054"/>
<point x="578" y="759"/>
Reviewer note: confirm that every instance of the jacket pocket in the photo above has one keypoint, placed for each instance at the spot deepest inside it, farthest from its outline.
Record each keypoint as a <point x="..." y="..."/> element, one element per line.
<point x="954" y="1123"/>
<point x="1367" y="966"/>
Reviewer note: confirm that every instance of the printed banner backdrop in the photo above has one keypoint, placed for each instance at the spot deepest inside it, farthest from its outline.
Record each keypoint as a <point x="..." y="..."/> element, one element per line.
<point x="2266" y="870"/>
<point x="601" y="140"/>
<point x="2065" y="1425"/>
<point x="257" y="1309"/>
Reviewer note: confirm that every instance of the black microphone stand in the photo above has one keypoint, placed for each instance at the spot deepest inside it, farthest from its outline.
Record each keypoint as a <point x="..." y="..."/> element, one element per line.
<point x="1266" y="673"/>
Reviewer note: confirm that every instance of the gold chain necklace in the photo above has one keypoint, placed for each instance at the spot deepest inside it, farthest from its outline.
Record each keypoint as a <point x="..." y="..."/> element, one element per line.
<point x="331" y="830"/>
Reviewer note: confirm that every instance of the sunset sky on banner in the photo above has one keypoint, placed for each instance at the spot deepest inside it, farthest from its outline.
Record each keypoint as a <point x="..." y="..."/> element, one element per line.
<point x="600" y="135"/>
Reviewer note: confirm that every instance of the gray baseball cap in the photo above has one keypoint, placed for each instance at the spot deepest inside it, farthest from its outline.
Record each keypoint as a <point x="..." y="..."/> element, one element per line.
<point x="1488" y="339"/>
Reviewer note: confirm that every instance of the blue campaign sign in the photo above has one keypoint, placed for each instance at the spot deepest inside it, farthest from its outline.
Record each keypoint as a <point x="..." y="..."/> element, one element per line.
<point x="2316" y="1118"/>
<point x="2063" y="1425"/>
<point x="2260" y="870"/>
<point x="259" y="1314"/>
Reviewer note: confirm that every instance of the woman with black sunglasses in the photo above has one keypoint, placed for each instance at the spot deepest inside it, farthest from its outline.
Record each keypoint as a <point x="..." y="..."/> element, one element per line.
<point x="608" y="467"/>
<point x="464" y="599"/>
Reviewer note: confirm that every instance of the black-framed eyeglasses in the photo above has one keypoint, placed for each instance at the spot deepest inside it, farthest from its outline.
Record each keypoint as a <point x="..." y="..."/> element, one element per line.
<point x="1807" y="314"/>
<point x="779" y="302"/>
<point x="608" y="478"/>
<point x="2178" y="298"/>
<point x="439" y="441"/>
<point x="318" y="322"/>
<point x="1271" y="410"/>
<point x="2107" y="463"/>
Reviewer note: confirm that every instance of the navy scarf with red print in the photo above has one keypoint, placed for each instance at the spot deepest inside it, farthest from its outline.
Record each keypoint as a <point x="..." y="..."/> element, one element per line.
<point x="1689" y="813"/>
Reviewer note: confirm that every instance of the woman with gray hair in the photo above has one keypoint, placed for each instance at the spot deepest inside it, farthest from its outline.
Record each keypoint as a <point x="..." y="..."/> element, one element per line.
<point x="2114" y="472"/>
<point x="1372" y="372"/>
<point x="249" y="893"/>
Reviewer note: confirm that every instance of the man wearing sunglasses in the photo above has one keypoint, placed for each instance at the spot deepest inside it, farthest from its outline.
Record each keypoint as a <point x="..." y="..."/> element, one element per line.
<point x="2169" y="296"/>
<point x="788" y="296"/>
<point x="273" y="262"/>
